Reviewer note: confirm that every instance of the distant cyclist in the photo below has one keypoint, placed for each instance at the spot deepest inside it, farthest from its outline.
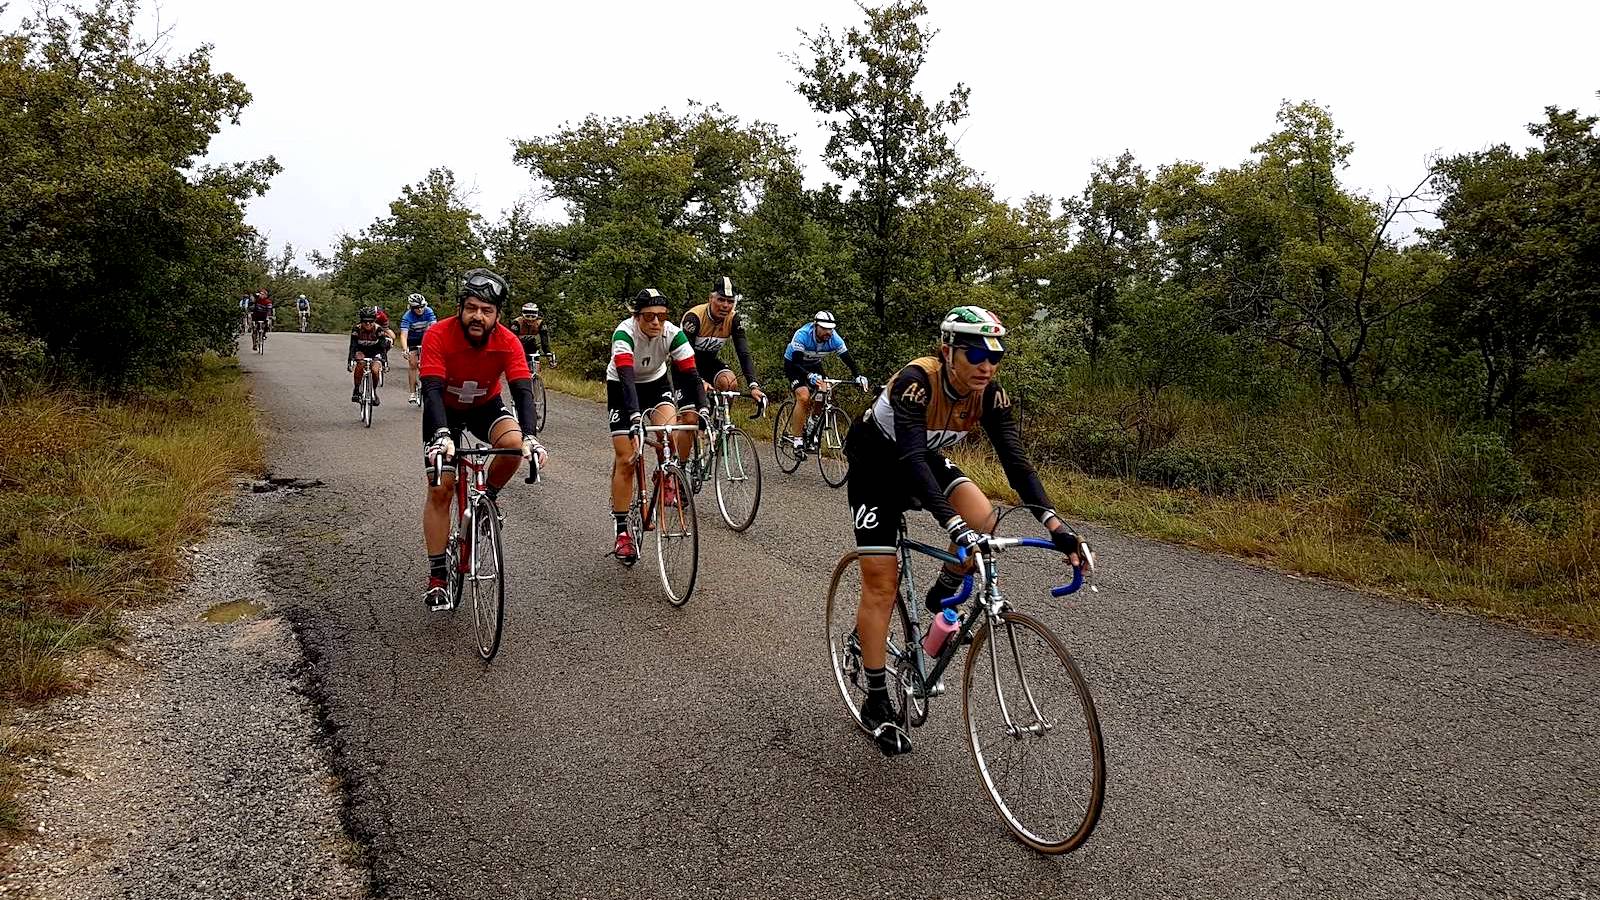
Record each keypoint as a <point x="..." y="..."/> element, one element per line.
<point x="650" y="373"/>
<point x="932" y="403"/>
<point x="463" y="360"/>
<point x="413" y="326"/>
<point x="710" y="326"/>
<point x="531" y="330"/>
<point x="261" y="309"/>
<point x="367" y="343"/>
<point x="303" y="307"/>
<point x="802" y="365"/>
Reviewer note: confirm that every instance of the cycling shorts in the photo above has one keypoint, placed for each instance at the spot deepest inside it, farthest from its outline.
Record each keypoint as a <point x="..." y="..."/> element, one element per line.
<point x="879" y="491"/>
<point x="480" y="420"/>
<point x="799" y="375"/>
<point x="651" y="395"/>
<point x="259" y="314"/>
<point x="709" y="365"/>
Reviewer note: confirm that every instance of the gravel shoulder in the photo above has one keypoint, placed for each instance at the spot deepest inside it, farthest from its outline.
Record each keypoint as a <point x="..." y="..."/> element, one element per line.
<point x="194" y="764"/>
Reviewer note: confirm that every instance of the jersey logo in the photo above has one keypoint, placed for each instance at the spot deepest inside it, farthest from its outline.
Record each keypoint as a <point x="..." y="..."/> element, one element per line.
<point x="469" y="392"/>
<point x="914" y="393"/>
<point x="866" y="517"/>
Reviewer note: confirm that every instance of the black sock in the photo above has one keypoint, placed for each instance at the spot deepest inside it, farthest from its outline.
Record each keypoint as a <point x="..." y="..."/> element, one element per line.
<point x="436" y="566"/>
<point x="946" y="585"/>
<point x="877" y="684"/>
<point x="622" y="521"/>
<point x="493" y="491"/>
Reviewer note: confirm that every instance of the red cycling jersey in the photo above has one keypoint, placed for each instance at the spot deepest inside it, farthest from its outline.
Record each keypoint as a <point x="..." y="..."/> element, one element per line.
<point x="471" y="374"/>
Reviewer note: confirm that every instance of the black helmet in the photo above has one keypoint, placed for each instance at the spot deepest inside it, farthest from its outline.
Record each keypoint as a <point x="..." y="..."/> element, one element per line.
<point x="484" y="285"/>
<point x="723" y="287"/>
<point x="647" y="298"/>
<point x="367" y="314"/>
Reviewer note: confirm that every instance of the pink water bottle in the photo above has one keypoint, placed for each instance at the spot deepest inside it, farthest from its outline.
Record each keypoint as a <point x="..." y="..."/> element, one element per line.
<point x="944" y="625"/>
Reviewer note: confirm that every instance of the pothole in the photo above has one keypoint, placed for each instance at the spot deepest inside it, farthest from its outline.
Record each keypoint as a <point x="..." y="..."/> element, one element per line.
<point x="270" y="484"/>
<point x="233" y="611"/>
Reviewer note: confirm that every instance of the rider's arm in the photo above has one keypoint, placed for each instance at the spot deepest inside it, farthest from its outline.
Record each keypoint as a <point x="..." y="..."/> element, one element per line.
<point x="908" y="399"/>
<point x="1006" y="438"/>
<point x="433" y="417"/>
<point x="544" y="340"/>
<point x="682" y="354"/>
<point x="846" y="358"/>
<point x="352" y="357"/>
<point x="741" y="349"/>
<point x="622" y="357"/>
<point x="519" y="378"/>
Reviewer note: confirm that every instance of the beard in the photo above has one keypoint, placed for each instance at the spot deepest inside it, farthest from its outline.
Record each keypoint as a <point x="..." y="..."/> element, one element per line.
<point x="466" y="331"/>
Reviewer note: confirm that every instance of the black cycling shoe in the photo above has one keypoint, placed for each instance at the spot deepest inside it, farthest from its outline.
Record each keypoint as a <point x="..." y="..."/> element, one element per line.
<point x="882" y="721"/>
<point x="375" y="400"/>
<point x="355" y="396"/>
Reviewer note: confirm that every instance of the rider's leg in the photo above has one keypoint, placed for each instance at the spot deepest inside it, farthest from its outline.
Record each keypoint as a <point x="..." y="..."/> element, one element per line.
<point x="411" y="371"/>
<point x="507" y="434"/>
<point x="973" y="506"/>
<point x="436" y="514"/>
<point x="802" y="409"/>
<point x="880" y="574"/>
<point x="621" y="478"/>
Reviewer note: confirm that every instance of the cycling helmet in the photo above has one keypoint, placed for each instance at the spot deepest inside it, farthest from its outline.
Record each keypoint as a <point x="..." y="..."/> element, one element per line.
<point x="367" y="314"/>
<point x="416" y="301"/>
<point x="972" y="325"/>
<point x="825" y="319"/>
<point x="647" y="298"/>
<point x="723" y="287"/>
<point x="486" y="286"/>
<point x="531" y="310"/>
<point x="301" y="297"/>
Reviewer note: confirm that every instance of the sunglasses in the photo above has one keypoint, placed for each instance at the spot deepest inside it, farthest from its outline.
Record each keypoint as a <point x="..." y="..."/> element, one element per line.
<point x="654" y="316"/>
<point x="980" y="355"/>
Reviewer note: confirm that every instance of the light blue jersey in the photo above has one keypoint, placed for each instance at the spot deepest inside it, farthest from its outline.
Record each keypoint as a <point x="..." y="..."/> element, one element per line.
<point x="804" y="348"/>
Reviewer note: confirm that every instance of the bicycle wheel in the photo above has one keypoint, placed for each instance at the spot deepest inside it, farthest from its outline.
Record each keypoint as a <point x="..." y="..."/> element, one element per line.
<point x="844" y="654"/>
<point x="1033" y="733"/>
<point x="788" y="459"/>
<point x="541" y="408"/>
<point x="366" y="399"/>
<point x="830" y="447"/>
<point x="677" y="537"/>
<point x="487" y="578"/>
<point x="698" y="466"/>
<point x="736" y="468"/>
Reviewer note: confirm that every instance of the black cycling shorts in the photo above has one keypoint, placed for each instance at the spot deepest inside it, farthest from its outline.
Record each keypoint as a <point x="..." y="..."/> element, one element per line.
<point x="879" y="491"/>
<point x="480" y="420"/>
<point x="799" y="375"/>
<point x="710" y="365"/>
<point x="668" y="389"/>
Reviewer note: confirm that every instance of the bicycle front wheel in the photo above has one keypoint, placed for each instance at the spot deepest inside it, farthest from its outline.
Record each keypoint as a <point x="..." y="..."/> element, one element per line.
<point x="736" y="468"/>
<point x="487" y="578"/>
<point x="366" y="399"/>
<point x="830" y="447"/>
<point x="1033" y="733"/>
<point x="676" y="534"/>
<point x="782" y="445"/>
<point x="844" y="649"/>
<point x="541" y="407"/>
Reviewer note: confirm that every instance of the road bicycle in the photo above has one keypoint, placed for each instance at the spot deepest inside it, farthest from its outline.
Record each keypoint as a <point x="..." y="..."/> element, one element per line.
<point x="258" y="335"/>
<point x="305" y="320"/>
<point x="669" y="513"/>
<point x="368" y="390"/>
<point x="727" y="457"/>
<point x="540" y="397"/>
<point x="475" y="553"/>
<point x="1031" y="725"/>
<point x="824" y="434"/>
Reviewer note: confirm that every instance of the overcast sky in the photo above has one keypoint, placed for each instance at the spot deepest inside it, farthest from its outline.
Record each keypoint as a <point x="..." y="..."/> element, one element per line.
<point x="358" y="98"/>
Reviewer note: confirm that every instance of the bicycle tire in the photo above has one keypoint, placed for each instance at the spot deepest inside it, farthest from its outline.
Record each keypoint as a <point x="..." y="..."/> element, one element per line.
<point x="738" y="462"/>
<point x="831" y="458"/>
<point x="541" y="407"/>
<point x="488" y="605"/>
<point x="1025" y="702"/>
<point x="782" y="450"/>
<point x="839" y="623"/>
<point x="676" y="527"/>
<point x="366" y="398"/>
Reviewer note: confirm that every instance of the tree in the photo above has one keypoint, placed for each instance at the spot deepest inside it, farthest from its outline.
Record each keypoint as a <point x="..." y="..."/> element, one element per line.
<point x="886" y="144"/>
<point x="1523" y="234"/>
<point x="118" y="251"/>
<point x="1111" y="223"/>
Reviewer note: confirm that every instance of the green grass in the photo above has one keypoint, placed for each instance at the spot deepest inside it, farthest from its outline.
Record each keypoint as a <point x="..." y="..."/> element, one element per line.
<point x="96" y="498"/>
<point x="1546" y="581"/>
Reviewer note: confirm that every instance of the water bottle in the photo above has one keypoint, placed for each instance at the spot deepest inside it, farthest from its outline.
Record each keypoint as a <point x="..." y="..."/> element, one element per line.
<point x="944" y="625"/>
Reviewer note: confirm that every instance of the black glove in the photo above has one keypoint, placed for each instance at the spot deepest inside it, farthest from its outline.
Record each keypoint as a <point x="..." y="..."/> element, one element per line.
<point x="1065" y="540"/>
<point x="962" y="535"/>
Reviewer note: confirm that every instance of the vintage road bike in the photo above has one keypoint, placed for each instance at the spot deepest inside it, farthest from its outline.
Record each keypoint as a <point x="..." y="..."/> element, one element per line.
<point x="823" y="435"/>
<point x="727" y="458"/>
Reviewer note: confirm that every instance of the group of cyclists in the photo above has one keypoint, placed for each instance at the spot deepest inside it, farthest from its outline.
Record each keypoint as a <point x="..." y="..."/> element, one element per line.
<point x="258" y="310"/>
<point x="658" y="374"/>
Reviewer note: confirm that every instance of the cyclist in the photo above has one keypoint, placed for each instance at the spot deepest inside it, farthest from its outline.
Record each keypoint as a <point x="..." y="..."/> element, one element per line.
<point x="463" y="360"/>
<point x="366" y="343"/>
<point x="895" y="463"/>
<point x="802" y="365"/>
<point x="244" y="313"/>
<point x="383" y="324"/>
<point x="531" y="331"/>
<point x="261" y="309"/>
<point x="638" y="379"/>
<point x="413" y="327"/>
<point x="304" y="307"/>
<point x="711" y="325"/>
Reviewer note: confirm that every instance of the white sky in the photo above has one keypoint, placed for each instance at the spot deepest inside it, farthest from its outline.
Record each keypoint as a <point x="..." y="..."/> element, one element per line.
<point x="358" y="98"/>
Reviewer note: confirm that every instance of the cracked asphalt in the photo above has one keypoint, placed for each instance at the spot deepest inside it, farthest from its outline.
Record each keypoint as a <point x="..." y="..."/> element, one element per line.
<point x="1266" y="736"/>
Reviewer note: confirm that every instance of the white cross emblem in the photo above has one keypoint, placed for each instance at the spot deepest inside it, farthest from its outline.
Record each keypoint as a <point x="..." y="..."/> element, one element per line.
<point x="468" y="393"/>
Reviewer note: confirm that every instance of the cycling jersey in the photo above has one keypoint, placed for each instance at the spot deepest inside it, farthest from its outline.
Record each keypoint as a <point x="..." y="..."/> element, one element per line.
<point x="532" y="334"/>
<point x="368" y="340"/>
<point x="803" y="357"/>
<point x="261" y="308"/>
<point x="648" y="356"/>
<point x="415" y="324"/>
<point x="708" y="337"/>
<point x="458" y="376"/>
<point x="303" y="305"/>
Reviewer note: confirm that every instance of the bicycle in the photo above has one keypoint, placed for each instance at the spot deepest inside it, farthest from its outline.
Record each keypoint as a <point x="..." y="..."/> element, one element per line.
<point x="1023" y="716"/>
<point x="540" y="397"/>
<point x="824" y="434"/>
<point x="258" y="336"/>
<point x="677" y="536"/>
<point x="368" y="389"/>
<point x="305" y="319"/>
<point x="475" y="553"/>
<point x="728" y="457"/>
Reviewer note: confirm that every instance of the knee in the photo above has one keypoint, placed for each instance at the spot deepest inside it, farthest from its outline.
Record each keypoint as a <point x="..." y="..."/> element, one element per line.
<point x="878" y="582"/>
<point x="439" y="494"/>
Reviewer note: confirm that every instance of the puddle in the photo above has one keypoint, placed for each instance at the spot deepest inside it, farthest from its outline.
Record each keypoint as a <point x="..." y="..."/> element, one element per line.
<point x="270" y="484"/>
<point x="232" y="611"/>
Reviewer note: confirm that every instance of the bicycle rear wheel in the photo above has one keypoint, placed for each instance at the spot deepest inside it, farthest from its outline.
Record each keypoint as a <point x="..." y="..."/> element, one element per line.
<point x="1033" y="733"/>
<point x="788" y="459"/>
<point x="366" y="399"/>
<point x="541" y="408"/>
<point x="844" y="654"/>
<point x="487" y="578"/>
<point x="830" y="447"/>
<point x="677" y="537"/>
<point x="736" y="468"/>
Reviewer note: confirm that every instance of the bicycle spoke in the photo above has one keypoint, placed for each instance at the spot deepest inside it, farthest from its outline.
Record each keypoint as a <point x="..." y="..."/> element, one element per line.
<point x="736" y="468"/>
<point x="676" y="537"/>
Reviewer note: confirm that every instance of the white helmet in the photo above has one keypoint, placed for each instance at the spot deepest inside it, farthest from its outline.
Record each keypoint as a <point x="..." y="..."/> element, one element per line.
<point x="416" y="300"/>
<point x="972" y="325"/>
<point x="825" y="319"/>
<point x="530" y="309"/>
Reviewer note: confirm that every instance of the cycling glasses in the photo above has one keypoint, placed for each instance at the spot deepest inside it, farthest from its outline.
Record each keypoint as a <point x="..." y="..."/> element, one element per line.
<point x="980" y="355"/>
<point x="486" y="286"/>
<point x="654" y="316"/>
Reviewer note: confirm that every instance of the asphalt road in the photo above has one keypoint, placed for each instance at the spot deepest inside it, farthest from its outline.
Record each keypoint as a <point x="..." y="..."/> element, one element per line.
<point x="1266" y="736"/>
